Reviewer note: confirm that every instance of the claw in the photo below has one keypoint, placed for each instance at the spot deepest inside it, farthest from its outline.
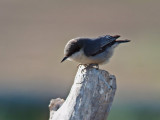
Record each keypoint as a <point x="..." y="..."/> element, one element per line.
<point x="93" y="65"/>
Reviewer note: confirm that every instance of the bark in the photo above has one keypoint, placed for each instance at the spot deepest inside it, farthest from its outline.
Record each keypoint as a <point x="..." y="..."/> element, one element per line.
<point x="90" y="98"/>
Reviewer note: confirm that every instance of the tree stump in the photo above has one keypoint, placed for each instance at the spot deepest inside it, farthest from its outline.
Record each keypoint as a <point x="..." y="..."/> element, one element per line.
<point x="90" y="98"/>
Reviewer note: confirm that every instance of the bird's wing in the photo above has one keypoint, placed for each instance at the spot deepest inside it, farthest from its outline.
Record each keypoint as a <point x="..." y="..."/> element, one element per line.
<point x="98" y="45"/>
<point x="104" y="40"/>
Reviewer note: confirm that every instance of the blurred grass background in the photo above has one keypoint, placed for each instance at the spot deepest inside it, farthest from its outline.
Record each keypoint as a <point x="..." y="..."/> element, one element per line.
<point x="33" y="34"/>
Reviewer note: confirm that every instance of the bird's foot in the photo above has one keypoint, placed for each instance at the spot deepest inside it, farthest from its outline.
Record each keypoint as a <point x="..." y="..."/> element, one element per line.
<point x="88" y="66"/>
<point x="93" y="65"/>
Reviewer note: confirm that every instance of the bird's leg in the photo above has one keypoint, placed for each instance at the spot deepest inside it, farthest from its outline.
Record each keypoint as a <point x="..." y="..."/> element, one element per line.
<point x="87" y="66"/>
<point x="94" y="64"/>
<point x="97" y="66"/>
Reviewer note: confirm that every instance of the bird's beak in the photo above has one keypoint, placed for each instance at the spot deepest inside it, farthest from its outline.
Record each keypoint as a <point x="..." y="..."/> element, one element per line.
<point x="64" y="59"/>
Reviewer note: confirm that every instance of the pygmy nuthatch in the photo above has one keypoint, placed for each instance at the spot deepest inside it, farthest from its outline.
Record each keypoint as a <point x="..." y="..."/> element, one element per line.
<point x="91" y="50"/>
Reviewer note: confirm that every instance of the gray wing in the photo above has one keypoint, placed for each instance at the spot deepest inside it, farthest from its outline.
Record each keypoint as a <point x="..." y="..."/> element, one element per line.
<point x="97" y="45"/>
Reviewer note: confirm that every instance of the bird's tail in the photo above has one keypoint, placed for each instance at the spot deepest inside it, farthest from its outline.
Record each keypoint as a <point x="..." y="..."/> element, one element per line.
<point x="122" y="41"/>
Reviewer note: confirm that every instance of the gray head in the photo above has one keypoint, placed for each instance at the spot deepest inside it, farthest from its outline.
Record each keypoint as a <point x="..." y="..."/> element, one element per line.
<point x="73" y="46"/>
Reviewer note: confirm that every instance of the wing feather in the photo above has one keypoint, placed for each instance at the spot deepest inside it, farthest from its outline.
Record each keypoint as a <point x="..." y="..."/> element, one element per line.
<point x="98" y="45"/>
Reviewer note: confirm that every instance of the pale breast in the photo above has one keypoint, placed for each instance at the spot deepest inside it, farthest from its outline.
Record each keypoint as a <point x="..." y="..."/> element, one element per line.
<point x="80" y="57"/>
<point x="101" y="58"/>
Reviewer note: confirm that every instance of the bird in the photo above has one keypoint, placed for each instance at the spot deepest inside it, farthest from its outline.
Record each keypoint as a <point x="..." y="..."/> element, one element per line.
<point x="91" y="51"/>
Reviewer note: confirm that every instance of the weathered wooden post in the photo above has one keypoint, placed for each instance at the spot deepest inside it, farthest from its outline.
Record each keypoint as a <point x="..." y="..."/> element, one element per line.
<point x="90" y="98"/>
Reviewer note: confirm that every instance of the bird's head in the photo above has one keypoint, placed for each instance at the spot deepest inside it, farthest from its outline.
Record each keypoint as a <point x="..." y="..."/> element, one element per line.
<point x="72" y="47"/>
